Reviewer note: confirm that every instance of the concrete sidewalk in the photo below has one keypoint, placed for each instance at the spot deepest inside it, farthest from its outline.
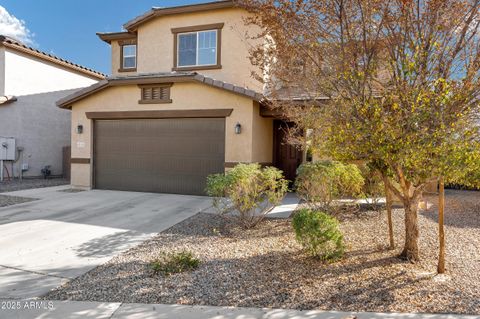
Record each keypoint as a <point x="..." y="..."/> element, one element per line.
<point x="90" y="310"/>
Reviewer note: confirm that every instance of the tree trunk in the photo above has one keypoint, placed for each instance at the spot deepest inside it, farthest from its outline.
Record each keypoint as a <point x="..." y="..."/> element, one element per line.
<point x="441" y="230"/>
<point x="388" y="205"/>
<point x="410" y="251"/>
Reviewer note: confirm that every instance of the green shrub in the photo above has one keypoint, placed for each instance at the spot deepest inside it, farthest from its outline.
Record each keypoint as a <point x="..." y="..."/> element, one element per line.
<point x="373" y="188"/>
<point x="320" y="183"/>
<point x="319" y="234"/>
<point x="172" y="263"/>
<point x="248" y="191"/>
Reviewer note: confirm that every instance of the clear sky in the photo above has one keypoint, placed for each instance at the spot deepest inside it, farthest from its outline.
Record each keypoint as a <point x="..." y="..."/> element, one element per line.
<point x="67" y="28"/>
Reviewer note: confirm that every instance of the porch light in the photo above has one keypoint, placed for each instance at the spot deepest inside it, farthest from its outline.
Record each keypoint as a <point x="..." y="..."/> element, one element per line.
<point x="79" y="129"/>
<point x="238" y="128"/>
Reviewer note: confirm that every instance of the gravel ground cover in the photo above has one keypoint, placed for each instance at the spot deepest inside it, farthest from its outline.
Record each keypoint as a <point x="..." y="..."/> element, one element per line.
<point x="265" y="267"/>
<point x="17" y="185"/>
<point x="13" y="200"/>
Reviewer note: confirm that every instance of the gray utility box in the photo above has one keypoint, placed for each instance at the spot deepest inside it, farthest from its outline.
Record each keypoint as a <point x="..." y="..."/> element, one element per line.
<point x="7" y="149"/>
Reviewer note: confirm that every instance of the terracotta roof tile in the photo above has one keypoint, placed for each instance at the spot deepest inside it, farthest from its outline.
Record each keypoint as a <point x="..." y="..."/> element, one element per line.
<point x="157" y="78"/>
<point x="17" y="45"/>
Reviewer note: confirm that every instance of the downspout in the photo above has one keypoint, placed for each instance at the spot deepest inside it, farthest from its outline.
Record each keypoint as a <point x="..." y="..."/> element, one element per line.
<point x="19" y="155"/>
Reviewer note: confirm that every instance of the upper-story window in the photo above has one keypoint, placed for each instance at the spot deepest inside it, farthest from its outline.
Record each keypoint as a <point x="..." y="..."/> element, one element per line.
<point x="128" y="57"/>
<point x="197" y="47"/>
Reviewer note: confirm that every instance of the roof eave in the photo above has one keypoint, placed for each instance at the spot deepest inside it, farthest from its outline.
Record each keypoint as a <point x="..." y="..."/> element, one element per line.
<point x="157" y="12"/>
<point x="116" y="36"/>
<point x="67" y="102"/>
<point x="7" y="99"/>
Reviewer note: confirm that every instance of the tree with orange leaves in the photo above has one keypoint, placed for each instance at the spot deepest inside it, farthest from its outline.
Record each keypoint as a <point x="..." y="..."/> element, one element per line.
<point x="392" y="83"/>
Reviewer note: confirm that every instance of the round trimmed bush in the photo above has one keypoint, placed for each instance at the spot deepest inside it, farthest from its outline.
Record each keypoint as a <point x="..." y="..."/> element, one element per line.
<point x="248" y="190"/>
<point x="320" y="183"/>
<point x="319" y="234"/>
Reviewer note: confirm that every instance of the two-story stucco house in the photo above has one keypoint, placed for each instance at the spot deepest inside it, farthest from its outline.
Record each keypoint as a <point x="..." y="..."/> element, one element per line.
<point x="31" y="82"/>
<point x="181" y="104"/>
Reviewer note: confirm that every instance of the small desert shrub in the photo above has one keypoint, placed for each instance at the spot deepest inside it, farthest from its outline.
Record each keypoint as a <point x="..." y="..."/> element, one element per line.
<point x="320" y="183"/>
<point x="247" y="190"/>
<point x="176" y="262"/>
<point x="319" y="234"/>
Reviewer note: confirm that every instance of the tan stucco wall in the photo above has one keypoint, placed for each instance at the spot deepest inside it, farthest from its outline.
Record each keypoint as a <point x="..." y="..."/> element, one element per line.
<point x="245" y="147"/>
<point x="81" y="175"/>
<point x="155" y="46"/>
<point x="262" y="144"/>
<point x="116" y="60"/>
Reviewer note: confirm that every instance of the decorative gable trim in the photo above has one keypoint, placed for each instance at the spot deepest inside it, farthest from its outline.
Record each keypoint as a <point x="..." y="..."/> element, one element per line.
<point x="155" y="93"/>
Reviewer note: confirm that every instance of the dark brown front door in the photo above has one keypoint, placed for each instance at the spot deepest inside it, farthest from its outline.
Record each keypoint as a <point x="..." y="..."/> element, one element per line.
<point x="286" y="157"/>
<point x="158" y="155"/>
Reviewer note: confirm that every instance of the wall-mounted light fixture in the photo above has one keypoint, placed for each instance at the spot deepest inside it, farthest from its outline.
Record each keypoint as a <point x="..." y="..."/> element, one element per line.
<point x="238" y="128"/>
<point x="79" y="129"/>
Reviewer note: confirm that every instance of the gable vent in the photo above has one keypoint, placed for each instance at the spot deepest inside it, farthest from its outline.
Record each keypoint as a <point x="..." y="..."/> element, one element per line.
<point x="155" y="94"/>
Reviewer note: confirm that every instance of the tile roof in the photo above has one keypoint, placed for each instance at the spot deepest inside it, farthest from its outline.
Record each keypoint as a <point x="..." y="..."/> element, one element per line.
<point x="161" y="77"/>
<point x="158" y="11"/>
<point x="5" y="99"/>
<point x="19" y="46"/>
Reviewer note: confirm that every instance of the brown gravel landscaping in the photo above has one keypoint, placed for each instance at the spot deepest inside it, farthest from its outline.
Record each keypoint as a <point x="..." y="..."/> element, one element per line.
<point x="265" y="267"/>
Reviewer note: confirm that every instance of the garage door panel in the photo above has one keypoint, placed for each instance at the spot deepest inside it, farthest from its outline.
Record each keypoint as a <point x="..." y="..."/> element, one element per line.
<point x="194" y="166"/>
<point x="184" y="145"/>
<point x="167" y="183"/>
<point x="196" y="146"/>
<point x="169" y="127"/>
<point x="162" y="155"/>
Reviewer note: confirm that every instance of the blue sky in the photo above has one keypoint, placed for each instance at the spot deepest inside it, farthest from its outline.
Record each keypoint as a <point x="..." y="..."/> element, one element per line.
<point x="67" y="27"/>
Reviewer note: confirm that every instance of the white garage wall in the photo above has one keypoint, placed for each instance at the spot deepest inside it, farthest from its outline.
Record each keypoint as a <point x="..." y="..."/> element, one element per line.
<point x="25" y="75"/>
<point x="2" y="70"/>
<point x="40" y="127"/>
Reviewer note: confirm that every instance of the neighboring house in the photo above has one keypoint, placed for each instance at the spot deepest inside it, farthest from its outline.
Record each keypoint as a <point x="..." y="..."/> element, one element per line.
<point x="31" y="82"/>
<point x="181" y="104"/>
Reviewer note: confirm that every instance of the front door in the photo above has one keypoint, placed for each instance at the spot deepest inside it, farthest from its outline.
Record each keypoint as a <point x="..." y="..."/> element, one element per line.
<point x="286" y="157"/>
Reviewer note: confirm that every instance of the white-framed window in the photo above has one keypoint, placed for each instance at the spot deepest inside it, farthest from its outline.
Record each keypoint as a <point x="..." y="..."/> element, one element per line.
<point x="129" y="56"/>
<point x="197" y="48"/>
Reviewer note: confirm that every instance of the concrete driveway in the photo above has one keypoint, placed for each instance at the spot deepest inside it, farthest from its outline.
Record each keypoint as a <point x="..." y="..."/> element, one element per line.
<point x="63" y="235"/>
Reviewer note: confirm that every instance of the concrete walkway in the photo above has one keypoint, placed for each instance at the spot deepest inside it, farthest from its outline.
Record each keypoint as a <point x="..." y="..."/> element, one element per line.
<point x="47" y="242"/>
<point x="99" y="310"/>
<point x="286" y="208"/>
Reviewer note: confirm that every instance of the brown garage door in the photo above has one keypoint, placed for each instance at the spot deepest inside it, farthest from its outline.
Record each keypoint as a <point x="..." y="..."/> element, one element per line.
<point x="158" y="155"/>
